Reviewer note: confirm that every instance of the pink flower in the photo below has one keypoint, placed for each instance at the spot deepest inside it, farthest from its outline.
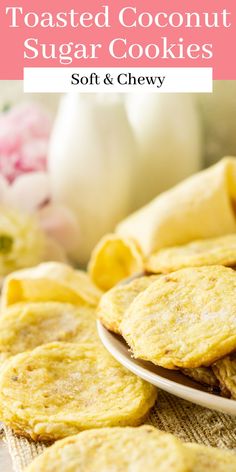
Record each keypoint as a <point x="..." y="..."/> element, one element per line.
<point x="24" y="135"/>
<point x="24" y="181"/>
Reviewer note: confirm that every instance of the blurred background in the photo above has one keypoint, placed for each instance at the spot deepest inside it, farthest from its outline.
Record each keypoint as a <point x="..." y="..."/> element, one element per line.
<point x="81" y="163"/>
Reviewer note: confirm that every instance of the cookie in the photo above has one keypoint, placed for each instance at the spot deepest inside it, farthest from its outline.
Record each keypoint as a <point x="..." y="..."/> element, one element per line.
<point x="186" y="319"/>
<point x="50" y="281"/>
<point x="116" y="449"/>
<point x="114" y="259"/>
<point x="225" y="371"/>
<point x="212" y="251"/>
<point x="24" y="326"/>
<point x="59" y="389"/>
<point x="115" y="302"/>
<point x="203" y="375"/>
<point x="212" y="459"/>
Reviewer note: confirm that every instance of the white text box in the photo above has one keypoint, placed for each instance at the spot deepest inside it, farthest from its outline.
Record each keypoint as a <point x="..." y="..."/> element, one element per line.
<point x="122" y="80"/>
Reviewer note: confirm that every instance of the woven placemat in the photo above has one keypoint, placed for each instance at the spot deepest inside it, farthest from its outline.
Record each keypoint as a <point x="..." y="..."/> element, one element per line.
<point x="186" y="420"/>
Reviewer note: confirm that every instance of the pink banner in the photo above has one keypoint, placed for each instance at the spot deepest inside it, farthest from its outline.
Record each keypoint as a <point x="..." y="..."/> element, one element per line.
<point x="124" y="33"/>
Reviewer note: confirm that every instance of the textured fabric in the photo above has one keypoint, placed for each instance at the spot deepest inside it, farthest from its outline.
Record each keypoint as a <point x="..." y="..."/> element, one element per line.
<point x="193" y="423"/>
<point x="22" y="450"/>
<point x="186" y="420"/>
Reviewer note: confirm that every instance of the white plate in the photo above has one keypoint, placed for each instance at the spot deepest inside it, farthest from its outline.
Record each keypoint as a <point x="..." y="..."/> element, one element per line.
<point x="171" y="381"/>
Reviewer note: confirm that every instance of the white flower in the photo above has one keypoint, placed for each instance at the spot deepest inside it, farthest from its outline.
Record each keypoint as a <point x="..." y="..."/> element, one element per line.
<point x="22" y="242"/>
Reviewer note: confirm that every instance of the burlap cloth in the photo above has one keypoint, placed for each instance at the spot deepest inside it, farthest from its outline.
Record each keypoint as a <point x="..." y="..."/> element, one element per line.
<point x="188" y="421"/>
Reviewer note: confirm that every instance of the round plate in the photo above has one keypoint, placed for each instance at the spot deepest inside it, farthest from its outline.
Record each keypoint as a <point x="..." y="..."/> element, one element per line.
<point x="169" y="380"/>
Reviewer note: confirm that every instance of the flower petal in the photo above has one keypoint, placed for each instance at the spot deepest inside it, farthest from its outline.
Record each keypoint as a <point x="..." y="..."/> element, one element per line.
<point x="29" y="192"/>
<point x="24" y="134"/>
<point x="3" y="190"/>
<point x="60" y="224"/>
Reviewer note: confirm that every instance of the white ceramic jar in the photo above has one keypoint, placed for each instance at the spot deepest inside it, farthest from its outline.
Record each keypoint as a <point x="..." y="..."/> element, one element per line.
<point x="92" y="164"/>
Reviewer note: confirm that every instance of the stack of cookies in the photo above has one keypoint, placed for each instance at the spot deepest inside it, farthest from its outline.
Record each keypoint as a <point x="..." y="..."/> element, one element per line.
<point x="184" y="316"/>
<point x="58" y="383"/>
<point x="56" y="378"/>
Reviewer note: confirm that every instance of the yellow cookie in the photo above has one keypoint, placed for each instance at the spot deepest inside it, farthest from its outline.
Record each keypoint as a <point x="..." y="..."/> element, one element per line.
<point x="50" y="281"/>
<point x="185" y="319"/>
<point x="198" y="253"/>
<point x="24" y="326"/>
<point x="225" y="371"/>
<point x="116" y="450"/>
<point x="59" y="389"/>
<point x="115" y="302"/>
<point x="211" y="459"/>
<point x="114" y="259"/>
<point x="203" y="375"/>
